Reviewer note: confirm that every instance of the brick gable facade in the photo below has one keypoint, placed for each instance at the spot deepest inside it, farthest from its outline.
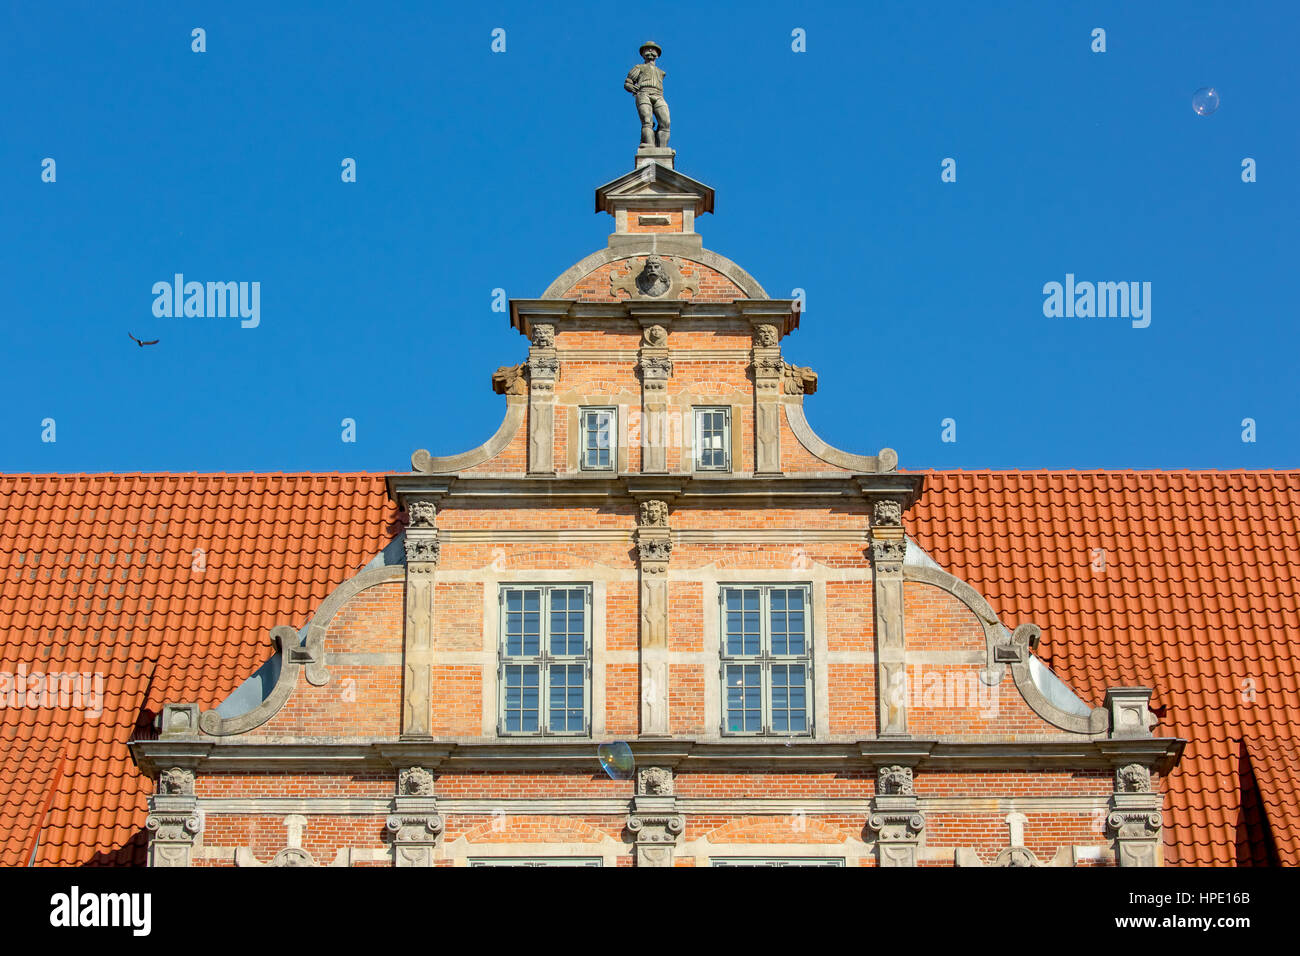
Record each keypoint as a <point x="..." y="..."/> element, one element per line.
<point x="902" y="724"/>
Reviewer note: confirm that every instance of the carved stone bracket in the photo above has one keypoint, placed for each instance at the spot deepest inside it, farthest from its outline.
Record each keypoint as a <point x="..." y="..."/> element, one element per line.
<point x="655" y="836"/>
<point x="174" y="821"/>
<point x="415" y="821"/>
<point x="1135" y="817"/>
<point x="896" y="816"/>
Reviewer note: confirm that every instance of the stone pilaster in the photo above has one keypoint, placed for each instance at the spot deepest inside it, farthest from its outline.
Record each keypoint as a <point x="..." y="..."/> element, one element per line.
<point x="654" y="548"/>
<point x="415" y="821"/>
<point x="174" y="821"/>
<point x="543" y="370"/>
<point x="654" y="821"/>
<point x="656" y="369"/>
<point x="1135" y="817"/>
<point x="888" y="546"/>
<point x="422" y="551"/>
<point x="769" y="374"/>
<point x="896" y="817"/>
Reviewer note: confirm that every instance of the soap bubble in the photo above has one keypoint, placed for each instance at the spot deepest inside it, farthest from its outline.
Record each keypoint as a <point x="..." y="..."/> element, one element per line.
<point x="616" y="760"/>
<point x="1205" y="101"/>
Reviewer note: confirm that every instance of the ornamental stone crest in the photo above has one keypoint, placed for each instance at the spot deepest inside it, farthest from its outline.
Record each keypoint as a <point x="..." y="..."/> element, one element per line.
<point x="654" y="514"/>
<point x="176" y="782"/>
<point x="655" y="782"/>
<point x="660" y="277"/>
<point x="654" y="553"/>
<point x="415" y="782"/>
<point x="422" y="549"/>
<point x="1133" y="778"/>
<point x="421" y="514"/>
<point x="894" y="780"/>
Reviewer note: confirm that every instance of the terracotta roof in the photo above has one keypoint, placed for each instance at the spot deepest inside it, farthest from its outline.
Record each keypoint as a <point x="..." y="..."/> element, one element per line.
<point x="1276" y="767"/>
<point x="166" y="586"/>
<point x="1197" y="598"/>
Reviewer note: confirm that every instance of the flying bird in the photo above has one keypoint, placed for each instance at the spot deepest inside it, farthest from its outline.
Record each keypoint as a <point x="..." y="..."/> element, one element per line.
<point x="141" y="344"/>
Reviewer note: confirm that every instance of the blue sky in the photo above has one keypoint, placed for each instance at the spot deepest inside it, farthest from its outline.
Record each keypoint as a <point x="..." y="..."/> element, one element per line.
<point x="475" y="170"/>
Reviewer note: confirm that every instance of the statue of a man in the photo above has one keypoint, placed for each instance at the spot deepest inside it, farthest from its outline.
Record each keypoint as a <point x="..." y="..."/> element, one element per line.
<point x="646" y="81"/>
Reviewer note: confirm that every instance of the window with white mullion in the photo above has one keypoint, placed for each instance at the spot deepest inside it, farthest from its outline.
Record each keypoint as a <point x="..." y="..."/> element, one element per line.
<point x="545" y="655"/>
<point x="766" y="660"/>
<point x="598" y="428"/>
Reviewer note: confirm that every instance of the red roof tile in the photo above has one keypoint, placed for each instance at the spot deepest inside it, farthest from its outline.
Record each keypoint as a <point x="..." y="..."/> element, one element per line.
<point x="1197" y="597"/>
<point x="1182" y="581"/>
<point x="102" y="574"/>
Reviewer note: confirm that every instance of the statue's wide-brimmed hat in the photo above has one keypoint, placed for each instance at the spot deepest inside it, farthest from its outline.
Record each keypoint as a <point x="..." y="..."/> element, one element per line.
<point x="651" y="45"/>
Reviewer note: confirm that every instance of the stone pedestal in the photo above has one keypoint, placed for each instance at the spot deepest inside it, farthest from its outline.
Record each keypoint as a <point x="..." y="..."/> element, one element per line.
<point x="896" y="817"/>
<point x="654" y="821"/>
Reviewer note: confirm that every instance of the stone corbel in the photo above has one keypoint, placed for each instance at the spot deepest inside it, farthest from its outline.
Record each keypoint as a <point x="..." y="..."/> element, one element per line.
<point x="415" y="821"/>
<point x="654" y="549"/>
<point x="543" y="370"/>
<point x="896" y="817"/>
<point x="656" y="368"/>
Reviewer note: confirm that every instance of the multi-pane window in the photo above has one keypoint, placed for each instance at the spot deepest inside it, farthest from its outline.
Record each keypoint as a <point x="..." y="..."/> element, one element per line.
<point x="713" y="439"/>
<point x="545" y="659"/>
<point x="598" y="434"/>
<point x="766" y="660"/>
<point x="537" y="861"/>
<point x="776" y="861"/>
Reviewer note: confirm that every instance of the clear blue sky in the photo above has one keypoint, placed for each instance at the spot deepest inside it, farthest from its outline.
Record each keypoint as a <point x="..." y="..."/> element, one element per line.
<point x="476" y="171"/>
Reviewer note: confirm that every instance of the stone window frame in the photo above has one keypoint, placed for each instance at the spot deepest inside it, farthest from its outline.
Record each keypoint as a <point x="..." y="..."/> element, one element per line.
<point x="583" y="410"/>
<point x="544" y="659"/>
<point x="697" y="450"/>
<point x="765" y="658"/>
<point x="536" y="861"/>
<point x="777" y="861"/>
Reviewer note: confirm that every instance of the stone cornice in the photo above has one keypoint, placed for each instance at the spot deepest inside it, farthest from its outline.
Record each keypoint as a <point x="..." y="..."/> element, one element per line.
<point x="578" y="486"/>
<point x="208" y="755"/>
